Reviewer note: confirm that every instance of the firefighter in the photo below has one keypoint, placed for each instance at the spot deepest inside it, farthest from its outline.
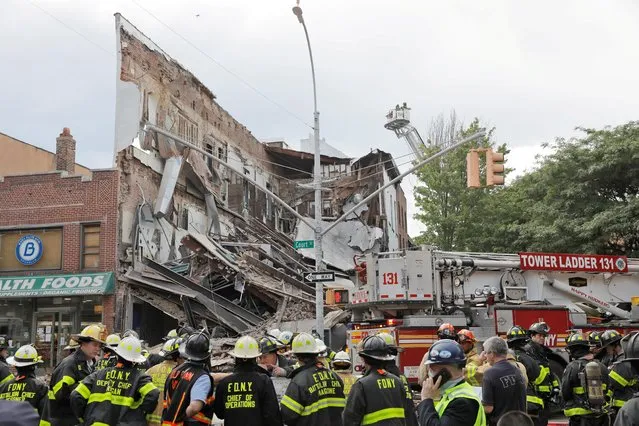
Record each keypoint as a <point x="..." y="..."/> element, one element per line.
<point x="458" y="404"/>
<point x="623" y="378"/>
<point x="5" y="373"/>
<point x="391" y="367"/>
<point x="475" y="364"/>
<point x="285" y="338"/>
<point x="172" y="334"/>
<point x="4" y="350"/>
<point x="118" y="395"/>
<point x="628" y="415"/>
<point x="546" y="383"/>
<point x="69" y="373"/>
<point x="25" y="386"/>
<point x="170" y="352"/>
<point x="247" y="397"/>
<point x="446" y="331"/>
<point x="323" y="355"/>
<point x="378" y="397"/>
<point x="188" y="391"/>
<point x="270" y="360"/>
<point x="131" y="333"/>
<point x="71" y="347"/>
<point x="582" y="392"/>
<point x="517" y="339"/>
<point x="315" y="395"/>
<point x="594" y="340"/>
<point x="342" y="366"/>
<point x="611" y="347"/>
<point x="109" y="358"/>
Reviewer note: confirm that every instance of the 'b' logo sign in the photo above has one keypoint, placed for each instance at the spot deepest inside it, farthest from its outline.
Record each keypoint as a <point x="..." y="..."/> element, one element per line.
<point x="29" y="250"/>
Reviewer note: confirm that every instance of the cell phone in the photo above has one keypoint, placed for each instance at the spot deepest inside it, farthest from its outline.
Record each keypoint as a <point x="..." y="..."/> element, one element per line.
<point x="444" y="374"/>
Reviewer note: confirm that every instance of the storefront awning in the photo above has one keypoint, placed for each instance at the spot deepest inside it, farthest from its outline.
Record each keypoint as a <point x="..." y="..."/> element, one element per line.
<point x="57" y="285"/>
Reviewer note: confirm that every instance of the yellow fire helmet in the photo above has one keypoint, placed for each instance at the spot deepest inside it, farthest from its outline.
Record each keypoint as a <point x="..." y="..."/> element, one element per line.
<point x="26" y="355"/>
<point x="72" y="345"/>
<point x="92" y="333"/>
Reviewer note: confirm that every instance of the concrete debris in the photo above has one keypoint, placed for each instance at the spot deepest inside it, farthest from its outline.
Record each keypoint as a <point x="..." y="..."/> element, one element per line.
<point x="346" y="240"/>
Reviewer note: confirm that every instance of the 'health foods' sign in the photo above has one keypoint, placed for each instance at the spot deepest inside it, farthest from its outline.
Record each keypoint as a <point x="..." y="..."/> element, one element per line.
<point x="572" y="262"/>
<point x="57" y="285"/>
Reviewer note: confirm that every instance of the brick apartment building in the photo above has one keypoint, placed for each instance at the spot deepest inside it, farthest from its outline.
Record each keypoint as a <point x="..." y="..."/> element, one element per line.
<point x="58" y="229"/>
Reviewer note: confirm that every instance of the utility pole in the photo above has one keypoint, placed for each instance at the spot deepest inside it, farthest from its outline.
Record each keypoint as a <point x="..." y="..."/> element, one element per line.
<point x="317" y="185"/>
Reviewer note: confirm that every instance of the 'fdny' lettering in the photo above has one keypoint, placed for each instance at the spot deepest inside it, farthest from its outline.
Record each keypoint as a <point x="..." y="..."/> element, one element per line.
<point x="385" y="383"/>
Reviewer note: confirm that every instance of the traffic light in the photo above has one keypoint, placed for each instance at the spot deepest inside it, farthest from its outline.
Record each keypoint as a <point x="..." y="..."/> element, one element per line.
<point x="472" y="169"/>
<point x="494" y="168"/>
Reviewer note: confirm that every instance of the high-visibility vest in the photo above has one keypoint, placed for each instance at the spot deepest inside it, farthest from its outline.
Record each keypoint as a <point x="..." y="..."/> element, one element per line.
<point x="462" y="390"/>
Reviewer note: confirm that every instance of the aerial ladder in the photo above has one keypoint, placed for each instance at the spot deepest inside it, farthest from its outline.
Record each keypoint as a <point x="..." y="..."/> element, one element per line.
<point x="398" y="120"/>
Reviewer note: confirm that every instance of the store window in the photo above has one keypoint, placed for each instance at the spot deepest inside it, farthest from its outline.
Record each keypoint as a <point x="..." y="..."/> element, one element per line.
<point x="90" y="246"/>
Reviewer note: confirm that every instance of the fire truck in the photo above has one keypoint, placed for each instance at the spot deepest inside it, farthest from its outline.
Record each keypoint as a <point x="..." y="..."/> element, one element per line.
<point x="411" y="293"/>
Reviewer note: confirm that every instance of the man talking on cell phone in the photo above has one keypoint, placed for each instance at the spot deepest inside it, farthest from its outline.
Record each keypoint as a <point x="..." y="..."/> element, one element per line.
<point x="459" y="404"/>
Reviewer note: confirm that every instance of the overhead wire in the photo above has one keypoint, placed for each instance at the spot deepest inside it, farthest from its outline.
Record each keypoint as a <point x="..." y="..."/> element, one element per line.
<point x="51" y="15"/>
<point x="277" y="104"/>
<point x="227" y="70"/>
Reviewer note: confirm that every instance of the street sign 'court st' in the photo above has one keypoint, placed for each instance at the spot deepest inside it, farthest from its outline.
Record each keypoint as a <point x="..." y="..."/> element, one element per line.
<point x="303" y="244"/>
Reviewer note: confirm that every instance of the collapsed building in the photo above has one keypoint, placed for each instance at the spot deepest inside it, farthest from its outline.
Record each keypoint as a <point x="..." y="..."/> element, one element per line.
<point x="201" y="235"/>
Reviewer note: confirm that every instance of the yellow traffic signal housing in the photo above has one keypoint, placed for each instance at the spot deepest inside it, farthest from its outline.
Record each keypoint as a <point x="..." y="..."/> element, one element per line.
<point x="472" y="169"/>
<point x="494" y="168"/>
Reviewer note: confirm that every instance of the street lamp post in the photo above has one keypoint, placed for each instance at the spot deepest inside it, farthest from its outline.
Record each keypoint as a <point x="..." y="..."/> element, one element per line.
<point x="317" y="185"/>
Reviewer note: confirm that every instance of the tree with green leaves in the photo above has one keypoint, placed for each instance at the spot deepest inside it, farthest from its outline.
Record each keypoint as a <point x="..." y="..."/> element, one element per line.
<point x="450" y="211"/>
<point x="582" y="198"/>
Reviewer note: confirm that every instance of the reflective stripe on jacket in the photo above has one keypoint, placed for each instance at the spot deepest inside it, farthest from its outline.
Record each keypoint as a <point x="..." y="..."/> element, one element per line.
<point x="26" y="388"/>
<point x="314" y="397"/>
<point x="377" y="398"/>
<point x="247" y="397"/>
<point x="623" y="383"/>
<point x="66" y="376"/>
<point x="462" y="390"/>
<point x="118" y="395"/>
<point x="574" y="395"/>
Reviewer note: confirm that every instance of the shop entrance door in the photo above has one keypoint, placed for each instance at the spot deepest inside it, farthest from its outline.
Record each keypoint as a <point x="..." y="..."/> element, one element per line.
<point x="52" y="331"/>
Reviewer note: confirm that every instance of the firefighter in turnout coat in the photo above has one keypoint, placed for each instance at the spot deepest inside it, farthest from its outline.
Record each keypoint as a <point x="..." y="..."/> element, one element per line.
<point x="391" y="367"/>
<point x="69" y="373"/>
<point x="379" y="397"/>
<point x="628" y="415"/>
<point x="25" y="386"/>
<point x="247" y="397"/>
<point x="578" y="392"/>
<point x="108" y="358"/>
<point x="117" y="396"/>
<point x="315" y="395"/>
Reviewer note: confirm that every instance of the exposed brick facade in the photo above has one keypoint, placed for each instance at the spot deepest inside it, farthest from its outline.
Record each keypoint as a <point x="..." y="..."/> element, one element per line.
<point x="69" y="201"/>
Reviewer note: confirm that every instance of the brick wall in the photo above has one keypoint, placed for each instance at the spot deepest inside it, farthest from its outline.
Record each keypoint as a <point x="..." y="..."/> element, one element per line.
<point x="57" y="199"/>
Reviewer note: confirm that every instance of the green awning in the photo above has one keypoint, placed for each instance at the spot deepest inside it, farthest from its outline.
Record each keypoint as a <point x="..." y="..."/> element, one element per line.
<point x="57" y="285"/>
